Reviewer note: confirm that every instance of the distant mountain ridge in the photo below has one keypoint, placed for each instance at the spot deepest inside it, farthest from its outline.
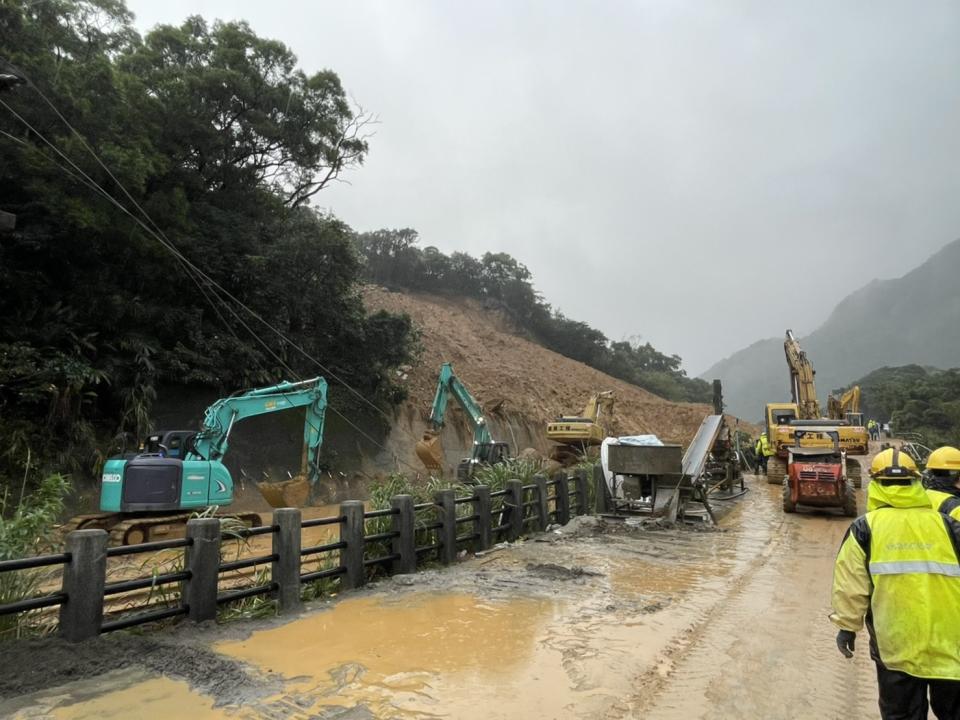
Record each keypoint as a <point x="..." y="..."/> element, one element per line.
<point x="914" y="319"/>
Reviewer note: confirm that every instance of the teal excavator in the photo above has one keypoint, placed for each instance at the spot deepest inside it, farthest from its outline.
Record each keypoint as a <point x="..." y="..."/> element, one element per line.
<point x="179" y="472"/>
<point x="485" y="450"/>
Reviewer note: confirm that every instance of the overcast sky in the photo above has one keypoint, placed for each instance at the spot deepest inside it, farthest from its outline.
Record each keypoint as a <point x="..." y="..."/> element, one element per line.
<point x="699" y="174"/>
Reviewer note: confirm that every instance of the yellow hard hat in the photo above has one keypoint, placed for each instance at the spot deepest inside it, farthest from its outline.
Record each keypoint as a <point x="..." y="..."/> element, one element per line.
<point x="891" y="464"/>
<point x="945" y="458"/>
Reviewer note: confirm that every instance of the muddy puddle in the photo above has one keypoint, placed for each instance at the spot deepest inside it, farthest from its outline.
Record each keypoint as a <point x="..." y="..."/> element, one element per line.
<point x="404" y="655"/>
<point x="132" y="694"/>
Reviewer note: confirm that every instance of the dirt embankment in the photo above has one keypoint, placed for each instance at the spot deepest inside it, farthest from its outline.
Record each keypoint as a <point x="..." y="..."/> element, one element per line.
<point x="520" y="384"/>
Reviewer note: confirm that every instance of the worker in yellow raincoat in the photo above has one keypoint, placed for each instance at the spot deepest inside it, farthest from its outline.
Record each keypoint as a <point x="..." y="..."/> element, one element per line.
<point x="942" y="480"/>
<point x="898" y="570"/>
<point x="763" y="450"/>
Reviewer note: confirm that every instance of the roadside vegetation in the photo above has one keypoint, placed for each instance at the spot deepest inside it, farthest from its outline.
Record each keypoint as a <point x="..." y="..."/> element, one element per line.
<point x="219" y="136"/>
<point x="27" y="527"/>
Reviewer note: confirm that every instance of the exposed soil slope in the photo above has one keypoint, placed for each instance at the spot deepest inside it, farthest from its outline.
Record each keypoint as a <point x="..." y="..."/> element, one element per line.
<point x="512" y="376"/>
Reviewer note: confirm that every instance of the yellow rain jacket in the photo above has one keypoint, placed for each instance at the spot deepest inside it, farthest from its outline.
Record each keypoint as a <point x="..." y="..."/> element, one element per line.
<point x="944" y="502"/>
<point x="899" y="569"/>
<point x="763" y="446"/>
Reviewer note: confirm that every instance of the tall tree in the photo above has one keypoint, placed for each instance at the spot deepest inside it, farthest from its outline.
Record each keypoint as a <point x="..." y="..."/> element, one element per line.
<point x="222" y="140"/>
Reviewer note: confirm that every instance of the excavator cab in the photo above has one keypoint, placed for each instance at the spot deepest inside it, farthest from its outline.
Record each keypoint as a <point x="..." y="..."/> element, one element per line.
<point x="492" y="453"/>
<point x="854" y="419"/>
<point x="169" y="443"/>
<point x="484" y="454"/>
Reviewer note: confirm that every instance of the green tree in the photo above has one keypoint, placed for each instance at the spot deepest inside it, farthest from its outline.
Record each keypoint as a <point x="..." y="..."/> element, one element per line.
<point x="219" y="136"/>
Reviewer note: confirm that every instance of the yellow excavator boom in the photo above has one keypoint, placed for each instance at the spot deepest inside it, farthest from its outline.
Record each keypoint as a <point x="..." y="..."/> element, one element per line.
<point x="802" y="386"/>
<point x="848" y="403"/>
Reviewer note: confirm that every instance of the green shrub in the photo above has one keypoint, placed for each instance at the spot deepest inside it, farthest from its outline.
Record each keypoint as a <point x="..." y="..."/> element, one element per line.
<point x="28" y="529"/>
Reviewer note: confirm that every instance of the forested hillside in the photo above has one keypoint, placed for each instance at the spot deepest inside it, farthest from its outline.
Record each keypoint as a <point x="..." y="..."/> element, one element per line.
<point x="912" y="319"/>
<point x="164" y="237"/>
<point x="915" y="400"/>
<point x="222" y="141"/>
<point x="393" y="258"/>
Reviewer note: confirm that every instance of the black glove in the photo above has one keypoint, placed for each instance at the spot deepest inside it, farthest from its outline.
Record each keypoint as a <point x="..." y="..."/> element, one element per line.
<point x="846" y="641"/>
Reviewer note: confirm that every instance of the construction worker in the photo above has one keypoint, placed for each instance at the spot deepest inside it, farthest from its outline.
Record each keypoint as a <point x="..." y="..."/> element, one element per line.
<point x="942" y="479"/>
<point x="874" y="429"/>
<point x="899" y="568"/>
<point x="763" y="451"/>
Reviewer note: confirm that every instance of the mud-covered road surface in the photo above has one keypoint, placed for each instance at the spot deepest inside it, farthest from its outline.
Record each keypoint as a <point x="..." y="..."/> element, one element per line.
<point x="601" y="620"/>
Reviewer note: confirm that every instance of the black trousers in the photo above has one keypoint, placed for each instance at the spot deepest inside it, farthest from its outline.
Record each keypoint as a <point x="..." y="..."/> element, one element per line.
<point x="904" y="697"/>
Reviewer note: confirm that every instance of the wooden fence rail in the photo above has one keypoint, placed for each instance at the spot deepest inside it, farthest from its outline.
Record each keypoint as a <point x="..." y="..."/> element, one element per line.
<point x="399" y="539"/>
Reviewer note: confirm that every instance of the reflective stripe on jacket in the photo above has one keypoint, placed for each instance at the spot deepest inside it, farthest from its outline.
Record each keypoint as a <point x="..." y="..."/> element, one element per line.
<point x="899" y="568"/>
<point x="945" y="502"/>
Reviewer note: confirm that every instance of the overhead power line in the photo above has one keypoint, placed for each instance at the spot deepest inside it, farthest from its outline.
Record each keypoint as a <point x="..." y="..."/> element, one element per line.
<point x="195" y="273"/>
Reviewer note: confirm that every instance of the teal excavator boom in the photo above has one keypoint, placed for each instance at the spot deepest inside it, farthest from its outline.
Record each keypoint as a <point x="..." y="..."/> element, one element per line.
<point x="211" y="442"/>
<point x="182" y="471"/>
<point x="485" y="450"/>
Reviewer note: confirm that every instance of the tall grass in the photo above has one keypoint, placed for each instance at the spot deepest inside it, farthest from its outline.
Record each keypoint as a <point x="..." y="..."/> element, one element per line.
<point x="25" y="530"/>
<point x="496" y="476"/>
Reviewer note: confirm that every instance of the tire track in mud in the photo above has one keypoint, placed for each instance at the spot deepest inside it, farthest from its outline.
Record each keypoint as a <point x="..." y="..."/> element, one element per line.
<point x="765" y="648"/>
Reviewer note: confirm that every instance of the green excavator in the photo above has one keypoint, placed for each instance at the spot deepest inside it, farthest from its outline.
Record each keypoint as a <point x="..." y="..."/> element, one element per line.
<point x="485" y="450"/>
<point x="180" y="472"/>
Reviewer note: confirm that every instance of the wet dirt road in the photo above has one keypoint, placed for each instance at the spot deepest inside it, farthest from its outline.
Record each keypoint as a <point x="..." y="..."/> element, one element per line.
<point x="765" y="648"/>
<point x="602" y="621"/>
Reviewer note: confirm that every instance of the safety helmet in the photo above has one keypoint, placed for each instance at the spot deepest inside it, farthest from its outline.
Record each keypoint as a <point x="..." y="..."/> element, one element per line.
<point x="891" y="464"/>
<point x="945" y="458"/>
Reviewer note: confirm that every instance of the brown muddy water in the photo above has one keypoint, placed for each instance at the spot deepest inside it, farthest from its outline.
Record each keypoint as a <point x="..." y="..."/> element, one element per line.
<point x="603" y="620"/>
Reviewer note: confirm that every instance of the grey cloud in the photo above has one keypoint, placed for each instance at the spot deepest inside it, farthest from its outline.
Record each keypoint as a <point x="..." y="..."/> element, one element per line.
<point x="698" y="173"/>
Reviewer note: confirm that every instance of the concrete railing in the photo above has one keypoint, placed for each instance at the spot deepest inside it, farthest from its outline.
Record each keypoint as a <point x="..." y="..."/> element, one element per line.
<point x="397" y="540"/>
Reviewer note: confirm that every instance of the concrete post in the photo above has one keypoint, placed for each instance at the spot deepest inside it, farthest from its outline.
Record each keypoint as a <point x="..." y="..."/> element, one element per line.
<point x="285" y="569"/>
<point x="542" y="507"/>
<point x="481" y="508"/>
<point x="563" y="497"/>
<point x="513" y="501"/>
<point x="404" y="545"/>
<point x="583" y="492"/>
<point x="351" y="532"/>
<point x="202" y="559"/>
<point x="447" y="510"/>
<point x="603" y="499"/>
<point x="83" y="579"/>
<point x="599" y="490"/>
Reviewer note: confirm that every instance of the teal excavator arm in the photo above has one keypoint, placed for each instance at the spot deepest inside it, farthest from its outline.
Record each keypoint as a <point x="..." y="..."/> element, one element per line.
<point x="485" y="451"/>
<point x="449" y="384"/>
<point x="219" y="419"/>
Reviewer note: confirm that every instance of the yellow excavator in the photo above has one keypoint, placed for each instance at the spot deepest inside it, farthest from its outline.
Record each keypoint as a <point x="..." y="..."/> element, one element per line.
<point x="783" y="419"/>
<point x="574" y="434"/>
<point x="846" y="407"/>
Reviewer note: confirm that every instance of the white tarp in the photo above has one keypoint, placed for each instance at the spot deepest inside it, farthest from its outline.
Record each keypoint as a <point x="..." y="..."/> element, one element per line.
<point x="614" y="482"/>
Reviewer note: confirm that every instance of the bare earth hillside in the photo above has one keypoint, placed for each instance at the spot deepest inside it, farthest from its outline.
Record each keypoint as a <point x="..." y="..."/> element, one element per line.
<point x="512" y="376"/>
